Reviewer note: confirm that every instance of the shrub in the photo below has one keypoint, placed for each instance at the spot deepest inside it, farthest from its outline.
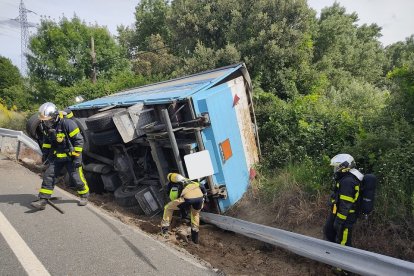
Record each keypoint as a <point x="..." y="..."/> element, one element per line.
<point x="11" y="119"/>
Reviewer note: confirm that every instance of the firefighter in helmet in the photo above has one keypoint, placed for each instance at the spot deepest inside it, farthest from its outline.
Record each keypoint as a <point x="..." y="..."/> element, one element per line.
<point x="184" y="194"/>
<point x="344" y="200"/>
<point x="62" y="147"/>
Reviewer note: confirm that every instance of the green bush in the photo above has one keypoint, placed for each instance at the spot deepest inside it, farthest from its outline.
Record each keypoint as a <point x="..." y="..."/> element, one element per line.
<point x="307" y="127"/>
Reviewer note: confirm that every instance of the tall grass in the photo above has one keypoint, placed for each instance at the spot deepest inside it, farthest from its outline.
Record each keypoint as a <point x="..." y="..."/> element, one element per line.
<point x="309" y="176"/>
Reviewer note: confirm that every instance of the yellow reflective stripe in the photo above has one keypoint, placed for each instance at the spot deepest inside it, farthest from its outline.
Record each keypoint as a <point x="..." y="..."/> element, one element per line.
<point x="337" y="185"/>
<point x="74" y="153"/>
<point x="60" y="135"/>
<point x="344" y="236"/>
<point x="339" y="215"/>
<point x="192" y="219"/>
<point x="46" y="146"/>
<point x="69" y="115"/>
<point x="60" y="114"/>
<point x="351" y="211"/>
<point x="74" y="132"/>
<point x="357" y="193"/>
<point x="61" y="155"/>
<point x="82" y="177"/>
<point x="46" y="191"/>
<point x="347" y="198"/>
<point x="173" y="194"/>
<point x="78" y="149"/>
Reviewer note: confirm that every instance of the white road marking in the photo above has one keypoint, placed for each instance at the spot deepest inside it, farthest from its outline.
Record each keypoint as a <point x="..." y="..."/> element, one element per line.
<point x="24" y="254"/>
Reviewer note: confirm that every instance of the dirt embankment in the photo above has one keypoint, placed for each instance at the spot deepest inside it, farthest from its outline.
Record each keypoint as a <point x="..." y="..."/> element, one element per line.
<point x="230" y="253"/>
<point x="233" y="254"/>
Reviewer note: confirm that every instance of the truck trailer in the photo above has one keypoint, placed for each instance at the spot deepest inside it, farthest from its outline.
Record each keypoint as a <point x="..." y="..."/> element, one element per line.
<point x="202" y="126"/>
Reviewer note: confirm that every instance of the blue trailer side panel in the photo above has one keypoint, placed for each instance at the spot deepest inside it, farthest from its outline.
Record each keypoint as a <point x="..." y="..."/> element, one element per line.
<point x="234" y="173"/>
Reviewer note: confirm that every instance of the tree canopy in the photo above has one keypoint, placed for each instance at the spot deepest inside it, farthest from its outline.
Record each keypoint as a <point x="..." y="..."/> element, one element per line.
<point x="61" y="52"/>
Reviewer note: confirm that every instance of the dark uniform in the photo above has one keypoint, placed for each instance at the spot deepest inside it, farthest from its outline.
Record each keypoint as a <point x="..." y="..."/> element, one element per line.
<point x="344" y="212"/>
<point x="62" y="146"/>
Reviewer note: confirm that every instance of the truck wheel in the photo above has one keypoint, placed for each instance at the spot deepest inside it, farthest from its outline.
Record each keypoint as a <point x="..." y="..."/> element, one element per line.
<point x="80" y="122"/>
<point x="103" y="120"/>
<point x="105" y="138"/>
<point x="125" y="197"/>
<point x="33" y="129"/>
<point x="95" y="182"/>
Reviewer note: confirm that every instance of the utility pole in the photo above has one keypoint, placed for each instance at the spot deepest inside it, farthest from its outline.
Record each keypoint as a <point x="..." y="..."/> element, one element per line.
<point x="93" y="55"/>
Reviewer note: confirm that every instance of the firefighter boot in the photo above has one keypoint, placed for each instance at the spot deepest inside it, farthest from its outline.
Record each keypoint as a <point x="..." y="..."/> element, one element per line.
<point x="83" y="201"/>
<point x="194" y="236"/>
<point x="164" y="231"/>
<point x="39" y="204"/>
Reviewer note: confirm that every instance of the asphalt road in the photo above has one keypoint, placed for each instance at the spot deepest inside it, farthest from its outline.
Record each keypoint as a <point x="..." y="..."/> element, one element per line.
<point x="83" y="241"/>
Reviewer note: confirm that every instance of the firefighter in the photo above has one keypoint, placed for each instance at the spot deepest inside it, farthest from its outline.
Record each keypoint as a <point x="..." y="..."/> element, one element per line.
<point x="344" y="202"/>
<point x="184" y="194"/>
<point x="62" y="147"/>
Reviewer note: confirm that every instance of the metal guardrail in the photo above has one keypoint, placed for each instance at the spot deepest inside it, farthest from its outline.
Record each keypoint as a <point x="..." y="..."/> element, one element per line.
<point x="21" y="138"/>
<point x="348" y="258"/>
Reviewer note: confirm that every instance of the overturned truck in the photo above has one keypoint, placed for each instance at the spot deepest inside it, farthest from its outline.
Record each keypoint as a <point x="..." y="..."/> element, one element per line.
<point x="201" y="126"/>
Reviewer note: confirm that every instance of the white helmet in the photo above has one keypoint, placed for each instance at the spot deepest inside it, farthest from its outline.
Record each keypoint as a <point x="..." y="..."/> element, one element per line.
<point x="342" y="162"/>
<point x="47" y="111"/>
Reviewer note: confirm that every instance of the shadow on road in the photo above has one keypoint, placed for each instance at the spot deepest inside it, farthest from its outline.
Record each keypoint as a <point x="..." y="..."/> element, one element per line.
<point x="137" y="252"/>
<point x="25" y="200"/>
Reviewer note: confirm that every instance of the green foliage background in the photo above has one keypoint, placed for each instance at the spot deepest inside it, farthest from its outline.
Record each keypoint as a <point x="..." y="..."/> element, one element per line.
<point x="322" y="85"/>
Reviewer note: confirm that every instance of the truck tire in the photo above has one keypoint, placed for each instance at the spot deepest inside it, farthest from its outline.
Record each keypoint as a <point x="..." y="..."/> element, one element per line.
<point x="95" y="182"/>
<point x="125" y="197"/>
<point x="105" y="138"/>
<point x="102" y="121"/>
<point x="33" y="129"/>
<point x="80" y="122"/>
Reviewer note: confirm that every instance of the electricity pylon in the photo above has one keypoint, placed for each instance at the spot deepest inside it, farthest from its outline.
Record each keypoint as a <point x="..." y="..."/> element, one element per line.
<point x="24" y="29"/>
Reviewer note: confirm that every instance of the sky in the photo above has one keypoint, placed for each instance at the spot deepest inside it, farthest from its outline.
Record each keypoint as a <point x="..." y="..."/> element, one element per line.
<point x="395" y="17"/>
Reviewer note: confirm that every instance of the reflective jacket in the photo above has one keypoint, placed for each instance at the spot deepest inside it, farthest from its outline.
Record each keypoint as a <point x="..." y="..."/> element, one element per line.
<point x="63" y="141"/>
<point x="345" y="196"/>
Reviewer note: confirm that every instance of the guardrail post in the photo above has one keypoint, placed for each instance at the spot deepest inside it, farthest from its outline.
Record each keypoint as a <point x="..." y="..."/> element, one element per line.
<point x="18" y="149"/>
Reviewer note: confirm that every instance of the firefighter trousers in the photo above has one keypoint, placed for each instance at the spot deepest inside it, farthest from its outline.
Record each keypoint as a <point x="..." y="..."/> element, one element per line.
<point x="342" y="236"/>
<point x="195" y="205"/>
<point x="53" y="172"/>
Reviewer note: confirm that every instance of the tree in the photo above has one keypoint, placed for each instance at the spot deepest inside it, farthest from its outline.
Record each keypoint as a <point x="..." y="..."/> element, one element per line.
<point x="274" y="37"/>
<point x="205" y="58"/>
<point x="61" y="52"/>
<point x="9" y="74"/>
<point x="400" y="53"/>
<point x="206" y="22"/>
<point x="157" y="61"/>
<point x="344" y="51"/>
<point x="12" y="91"/>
